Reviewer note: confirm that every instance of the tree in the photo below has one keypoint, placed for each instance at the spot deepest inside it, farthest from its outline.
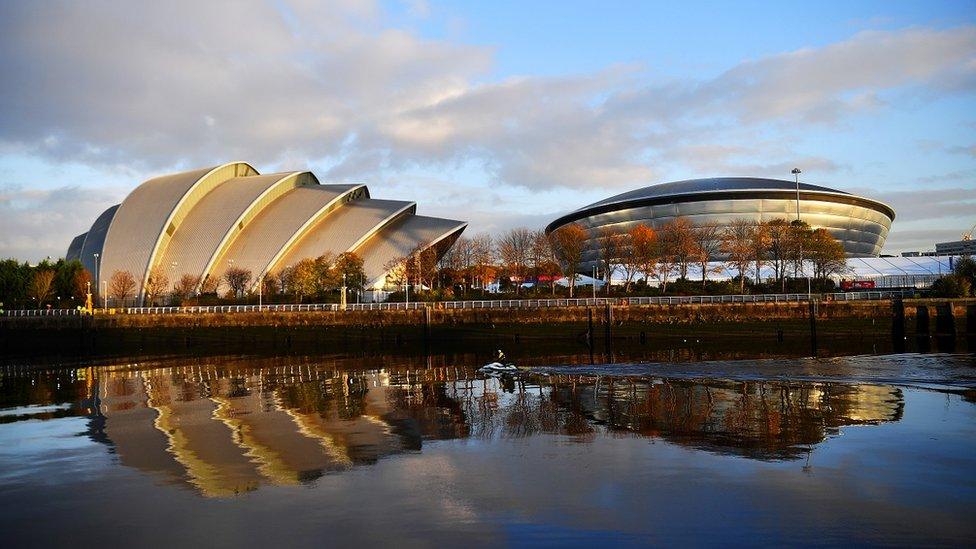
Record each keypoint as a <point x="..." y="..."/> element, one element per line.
<point x="951" y="285"/>
<point x="608" y="247"/>
<point x="826" y="254"/>
<point x="351" y="265"/>
<point x="779" y="248"/>
<point x="69" y="279"/>
<point x="304" y="279"/>
<point x="210" y="285"/>
<point x="185" y="286"/>
<point x="708" y="242"/>
<point x="421" y="265"/>
<point x="546" y="264"/>
<point x="737" y="245"/>
<point x="568" y="242"/>
<point x="41" y="286"/>
<point x="396" y="272"/>
<point x="797" y="242"/>
<point x="453" y="267"/>
<point x="514" y="249"/>
<point x="483" y="259"/>
<point x="966" y="268"/>
<point x="156" y="284"/>
<point x="282" y="280"/>
<point x="81" y="282"/>
<point x="121" y="286"/>
<point x="676" y="250"/>
<point x="645" y="250"/>
<point x="15" y="279"/>
<point x="628" y="260"/>
<point x="679" y="241"/>
<point x="238" y="279"/>
<point x="759" y="243"/>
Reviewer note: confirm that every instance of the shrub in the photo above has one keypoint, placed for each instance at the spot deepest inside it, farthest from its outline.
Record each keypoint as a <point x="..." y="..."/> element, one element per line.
<point x="951" y="286"/>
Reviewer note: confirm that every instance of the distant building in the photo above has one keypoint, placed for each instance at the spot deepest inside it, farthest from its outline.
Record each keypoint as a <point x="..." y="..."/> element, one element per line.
<point x="958" y="247"/>
<point x="860" y="224"/>
<point x="204" y="221"/>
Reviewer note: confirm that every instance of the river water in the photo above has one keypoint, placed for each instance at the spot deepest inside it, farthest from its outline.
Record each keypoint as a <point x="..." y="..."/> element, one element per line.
<point x="423" y="451"/>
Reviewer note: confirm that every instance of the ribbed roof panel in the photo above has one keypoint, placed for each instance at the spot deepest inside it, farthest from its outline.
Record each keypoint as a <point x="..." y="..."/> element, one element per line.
<point x="344" y="229"/>
<point x="74" y="249"/>
<point x="399" y="239"/>
<point x="95" y="241"/>
<point x="151" y="213"/>
<point x="203" y="229"/>
<point x="270" y="230"/>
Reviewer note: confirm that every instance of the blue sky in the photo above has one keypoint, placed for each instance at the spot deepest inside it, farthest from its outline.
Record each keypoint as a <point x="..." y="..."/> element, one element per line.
<point x="500" y="113"/>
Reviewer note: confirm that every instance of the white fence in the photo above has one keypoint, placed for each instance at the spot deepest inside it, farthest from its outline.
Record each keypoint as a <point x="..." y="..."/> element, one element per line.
<point x="488" y="304"/>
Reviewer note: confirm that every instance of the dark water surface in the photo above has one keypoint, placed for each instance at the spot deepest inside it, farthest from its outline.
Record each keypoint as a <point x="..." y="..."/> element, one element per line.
<point x="298" y="451"/>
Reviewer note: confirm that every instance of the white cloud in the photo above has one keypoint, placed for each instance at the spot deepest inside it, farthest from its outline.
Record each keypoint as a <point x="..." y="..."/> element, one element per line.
<point x="162" y="86"/>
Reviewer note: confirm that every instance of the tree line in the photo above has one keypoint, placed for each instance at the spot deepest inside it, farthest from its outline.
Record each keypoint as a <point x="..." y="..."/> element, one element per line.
<point x="642" y="256"/>
<point x="319" y="279"/>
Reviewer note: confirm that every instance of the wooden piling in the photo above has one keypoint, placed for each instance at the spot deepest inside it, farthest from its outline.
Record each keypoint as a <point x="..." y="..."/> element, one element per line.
<point x="813" y="328"/>
<point x="898" y="325"/>
<point x="971" y="320"/>
<point x="922" y="321"/>
<point x="945" y="323"/>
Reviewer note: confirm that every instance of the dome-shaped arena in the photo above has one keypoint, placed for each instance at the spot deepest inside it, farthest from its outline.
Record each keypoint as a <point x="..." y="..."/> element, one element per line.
<point x="204" y="221"/>
<point x="860" y="224"/>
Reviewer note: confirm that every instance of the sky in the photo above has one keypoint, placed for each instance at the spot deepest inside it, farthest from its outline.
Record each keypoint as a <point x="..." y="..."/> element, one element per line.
<point x="502" y="114"/>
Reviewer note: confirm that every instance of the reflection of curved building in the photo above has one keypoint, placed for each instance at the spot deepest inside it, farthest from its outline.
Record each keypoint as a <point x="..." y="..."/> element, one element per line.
<point x="860" y="224"/>
<point x="229" y="426"/>
<point x="201" y="222"/>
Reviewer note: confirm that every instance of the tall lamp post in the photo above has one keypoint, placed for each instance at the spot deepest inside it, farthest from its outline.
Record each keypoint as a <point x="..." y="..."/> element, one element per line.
<point x="97" y="281"/>
<point x="796" y="178"/>
<point x="174" y="265"/>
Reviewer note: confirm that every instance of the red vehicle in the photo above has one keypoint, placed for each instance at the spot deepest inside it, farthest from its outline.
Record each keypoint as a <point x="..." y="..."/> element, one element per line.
<point x="849" y="285"/>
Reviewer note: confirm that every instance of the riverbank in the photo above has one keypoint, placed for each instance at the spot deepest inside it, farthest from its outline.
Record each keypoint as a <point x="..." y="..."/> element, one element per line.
<point x="597" y="328"/>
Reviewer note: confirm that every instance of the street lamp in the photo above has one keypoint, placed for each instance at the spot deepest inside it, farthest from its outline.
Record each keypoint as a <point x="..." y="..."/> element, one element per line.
<point x="97" y="280"/>
<point x="594" y="282"/>
<point x="172" y="296"/>
<point x="796" y="178"/>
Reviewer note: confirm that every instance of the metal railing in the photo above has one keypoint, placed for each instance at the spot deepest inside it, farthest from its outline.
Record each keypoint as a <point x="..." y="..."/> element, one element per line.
<point x="484" y="304"/>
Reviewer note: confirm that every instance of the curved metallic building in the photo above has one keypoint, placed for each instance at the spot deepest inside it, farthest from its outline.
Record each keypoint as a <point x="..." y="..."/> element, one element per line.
<point x="860" y="224"/>
<point x="202" y="222"/>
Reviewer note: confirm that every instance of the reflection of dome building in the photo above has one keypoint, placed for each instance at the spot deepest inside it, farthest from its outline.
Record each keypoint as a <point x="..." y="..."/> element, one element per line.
<point x="203" y="221"/>
<point x="860" y="224"/>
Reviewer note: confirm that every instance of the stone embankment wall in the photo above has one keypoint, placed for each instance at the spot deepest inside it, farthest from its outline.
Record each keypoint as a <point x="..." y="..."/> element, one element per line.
<point x="273" y="331"/>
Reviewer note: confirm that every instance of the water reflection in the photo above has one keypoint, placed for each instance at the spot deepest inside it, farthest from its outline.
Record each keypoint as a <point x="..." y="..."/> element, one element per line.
<point x="230" y="426"/>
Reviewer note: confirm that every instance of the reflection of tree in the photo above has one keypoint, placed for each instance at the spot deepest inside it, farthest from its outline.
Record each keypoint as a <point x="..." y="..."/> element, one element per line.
<point x="764" y="420"/>
<point x="357" y="414"/>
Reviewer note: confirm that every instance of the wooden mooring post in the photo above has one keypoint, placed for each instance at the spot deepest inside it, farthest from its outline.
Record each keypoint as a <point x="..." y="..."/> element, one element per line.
<point x="922" y="323"/>
<point x="898" y="325"/>
<point x="813" y="328"/>
<point x="945" y="323"/>
<point x="945" y="327"/>
<point x="971" y="327"/>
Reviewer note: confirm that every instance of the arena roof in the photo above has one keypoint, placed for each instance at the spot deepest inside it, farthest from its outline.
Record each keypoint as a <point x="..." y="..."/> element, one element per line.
<point x="716" y="188"/>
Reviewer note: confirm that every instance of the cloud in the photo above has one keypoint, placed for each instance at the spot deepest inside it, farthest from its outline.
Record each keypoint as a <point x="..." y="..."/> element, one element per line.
<point x="929" y="203"/>
<point x="169" y="85"/>
<point x="36" y="223"/>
